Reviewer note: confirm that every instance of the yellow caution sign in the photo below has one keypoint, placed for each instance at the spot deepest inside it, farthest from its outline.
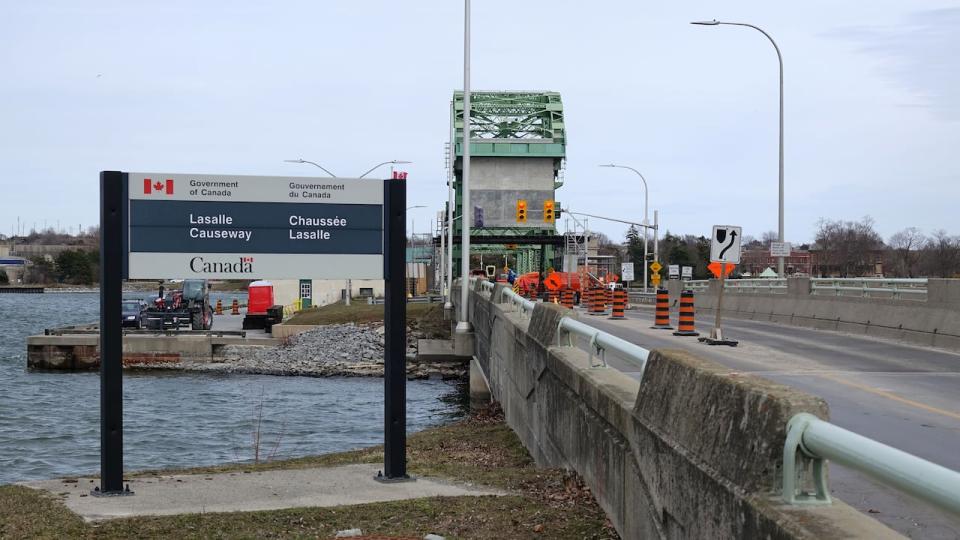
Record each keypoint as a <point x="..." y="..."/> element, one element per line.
<point x="656" y="266"/>
<point x="655" y="279"/>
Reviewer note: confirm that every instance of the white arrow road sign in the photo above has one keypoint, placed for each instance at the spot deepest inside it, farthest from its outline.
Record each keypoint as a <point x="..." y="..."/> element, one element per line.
<point x="725" y="245"/>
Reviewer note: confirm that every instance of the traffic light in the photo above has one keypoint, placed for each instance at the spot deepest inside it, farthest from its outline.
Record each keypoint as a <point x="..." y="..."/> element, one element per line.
<point x="548" y="215"/>
<point x="521" y="210"/>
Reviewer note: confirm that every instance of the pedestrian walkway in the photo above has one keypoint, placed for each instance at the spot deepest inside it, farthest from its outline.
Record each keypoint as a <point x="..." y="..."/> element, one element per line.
<point x="248" y="491"/>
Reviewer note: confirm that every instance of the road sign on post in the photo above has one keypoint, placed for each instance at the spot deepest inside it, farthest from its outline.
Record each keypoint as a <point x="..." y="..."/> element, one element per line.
<point x="626" y="271"/>
<point x="686" y="273"/>
<point x="673" y="271"/>
<point x="158" y="225"/>
<point x="725" y="244"/>
<point x="725" y="251"/>
<point x="780" y="249"/>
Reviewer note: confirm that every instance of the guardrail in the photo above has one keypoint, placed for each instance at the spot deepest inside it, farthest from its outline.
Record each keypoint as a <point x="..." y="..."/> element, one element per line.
<point x="599" y="341"/>
<point x="770" y="286"/>
<point x="900" y="289"/>
<point x="696" y="284"/>
<point x="818" y="440"/>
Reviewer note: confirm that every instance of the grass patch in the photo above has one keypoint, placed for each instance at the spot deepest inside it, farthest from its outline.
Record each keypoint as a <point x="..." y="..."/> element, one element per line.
<point x="545" y="503"/>
<point x="427" y="318"/>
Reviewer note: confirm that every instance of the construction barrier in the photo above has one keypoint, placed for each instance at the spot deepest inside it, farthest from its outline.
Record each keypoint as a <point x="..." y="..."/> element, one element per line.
<point x="607" y="296"/>
<point x="219" y="310"/>
<point x="235" y="308"/>
<point x="597" y="297"/>
<point x="619" y="304"/>
<point x="566" y="298"/>
<point x="661" y="318"/>
<point x="686" y="325"/>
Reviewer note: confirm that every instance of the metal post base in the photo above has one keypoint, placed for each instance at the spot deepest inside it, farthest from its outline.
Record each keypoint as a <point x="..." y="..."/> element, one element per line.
<point x="711" y="341"/>
<point x="123" y="493"/>
<point x="716" y="338"/>
<point x="386" y="480"/>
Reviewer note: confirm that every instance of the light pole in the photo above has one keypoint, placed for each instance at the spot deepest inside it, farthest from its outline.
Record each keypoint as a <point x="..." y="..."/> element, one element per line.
<point x="646" y="222"/>
<point x="301" y="160"/>
<point x="780" y="59"/>
<point x="391" y="162"/>
<point x="464" y="328"/>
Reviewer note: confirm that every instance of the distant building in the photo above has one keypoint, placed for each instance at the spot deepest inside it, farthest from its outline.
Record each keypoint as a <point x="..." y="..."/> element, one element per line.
<point x="755" y="261"/>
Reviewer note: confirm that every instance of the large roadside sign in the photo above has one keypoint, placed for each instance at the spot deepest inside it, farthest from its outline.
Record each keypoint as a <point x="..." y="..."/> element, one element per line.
<point x="160" y="225"/>
<point x="228" y="226"/>
<point x="626" y="271"/>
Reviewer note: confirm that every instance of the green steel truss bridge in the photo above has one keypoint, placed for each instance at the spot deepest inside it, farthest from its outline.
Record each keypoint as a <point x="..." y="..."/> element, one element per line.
<point x="527" y="128"/>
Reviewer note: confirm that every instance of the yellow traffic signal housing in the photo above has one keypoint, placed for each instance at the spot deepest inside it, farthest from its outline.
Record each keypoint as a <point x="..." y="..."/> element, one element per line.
<point x="548" y="215"/>
<point x="521" y="210"/>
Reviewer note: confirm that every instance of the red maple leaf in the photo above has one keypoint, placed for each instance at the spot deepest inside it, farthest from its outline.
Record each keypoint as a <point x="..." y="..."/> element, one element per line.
<point x="158" y="186"/>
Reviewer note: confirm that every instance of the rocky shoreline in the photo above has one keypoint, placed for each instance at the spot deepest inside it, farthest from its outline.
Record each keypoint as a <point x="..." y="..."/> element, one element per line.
<point x="337" y="350"/>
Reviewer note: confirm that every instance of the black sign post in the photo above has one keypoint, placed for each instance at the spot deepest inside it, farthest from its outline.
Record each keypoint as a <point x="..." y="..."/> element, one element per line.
<point x="112" y="207"/>
<point x="395" y="331"/>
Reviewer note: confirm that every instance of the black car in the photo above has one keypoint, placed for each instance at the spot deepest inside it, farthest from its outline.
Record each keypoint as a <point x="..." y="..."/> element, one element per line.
<point x="132" y="312"/>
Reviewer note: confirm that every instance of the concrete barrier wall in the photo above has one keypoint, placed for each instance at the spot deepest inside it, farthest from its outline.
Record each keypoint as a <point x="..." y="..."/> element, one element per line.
<point x="934" y="322"/>
<point x="692" y="451"/>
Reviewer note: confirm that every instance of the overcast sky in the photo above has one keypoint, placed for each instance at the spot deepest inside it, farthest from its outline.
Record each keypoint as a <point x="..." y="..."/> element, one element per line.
<point x="872" y="101"/>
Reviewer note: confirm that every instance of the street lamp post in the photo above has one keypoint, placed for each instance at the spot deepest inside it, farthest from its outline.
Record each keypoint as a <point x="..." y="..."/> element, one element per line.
<point x="464" y="328"/>
<point x="301" y="160"/>
<point x="378" y="165"/>
<point x="780" y="261"/>
<point x="646" y="222"/>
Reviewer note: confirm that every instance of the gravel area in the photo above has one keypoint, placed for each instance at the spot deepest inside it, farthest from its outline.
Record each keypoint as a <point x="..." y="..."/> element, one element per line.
<point x="336" y="350"/>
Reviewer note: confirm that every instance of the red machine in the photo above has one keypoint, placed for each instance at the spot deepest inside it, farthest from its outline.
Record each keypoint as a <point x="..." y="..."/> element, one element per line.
<point x="259" y="297"/>
<point x="261" y="310"/>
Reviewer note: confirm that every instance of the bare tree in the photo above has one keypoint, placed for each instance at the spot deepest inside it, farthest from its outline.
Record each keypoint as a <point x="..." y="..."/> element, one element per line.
<point x="905" y="246"/>
<point x="768" y="238"/>
<point x="941" y="255"/>
<point x="847" y="248"/>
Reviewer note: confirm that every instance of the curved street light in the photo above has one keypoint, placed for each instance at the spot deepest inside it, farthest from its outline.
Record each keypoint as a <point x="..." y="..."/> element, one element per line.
<point x="378" y="165"/>
<point x="646" y="222"/>
<point x="715" y="22"/>
<point x="301" y="160"/>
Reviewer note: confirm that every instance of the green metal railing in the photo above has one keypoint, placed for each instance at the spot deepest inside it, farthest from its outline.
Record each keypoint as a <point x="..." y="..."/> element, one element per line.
<point x="811" y="441"/>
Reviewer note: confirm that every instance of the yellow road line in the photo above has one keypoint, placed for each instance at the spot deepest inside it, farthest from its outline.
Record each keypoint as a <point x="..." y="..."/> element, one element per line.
<point x="890" y="395"/>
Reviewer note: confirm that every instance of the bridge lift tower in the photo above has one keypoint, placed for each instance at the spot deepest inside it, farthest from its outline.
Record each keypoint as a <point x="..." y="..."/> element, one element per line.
<point x="517" y="153"/>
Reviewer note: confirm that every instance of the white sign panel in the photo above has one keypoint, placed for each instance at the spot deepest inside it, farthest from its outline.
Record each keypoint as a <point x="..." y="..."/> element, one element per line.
<point x="780" y="249"/>
<point x="686" y="272"/>
<point x="626" y="271"/>
<point x="725" y="244"/>
<point x="673" y="271"/>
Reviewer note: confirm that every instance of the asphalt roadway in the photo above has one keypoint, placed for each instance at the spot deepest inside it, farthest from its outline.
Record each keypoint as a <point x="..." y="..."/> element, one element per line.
<point x="903" y="395"/>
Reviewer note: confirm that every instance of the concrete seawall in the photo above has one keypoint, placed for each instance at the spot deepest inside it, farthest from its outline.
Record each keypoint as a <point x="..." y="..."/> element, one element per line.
<point x="934" y="322"/>
<point x="82" y="352"/>
<point x="692" y="451"/>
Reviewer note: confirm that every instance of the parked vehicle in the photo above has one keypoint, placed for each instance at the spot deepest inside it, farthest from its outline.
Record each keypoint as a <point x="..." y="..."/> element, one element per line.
<point x="132" y="311"/>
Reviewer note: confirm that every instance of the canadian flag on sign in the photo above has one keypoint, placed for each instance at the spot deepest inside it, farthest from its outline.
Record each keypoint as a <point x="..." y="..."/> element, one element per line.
<point x="150" y="186"/>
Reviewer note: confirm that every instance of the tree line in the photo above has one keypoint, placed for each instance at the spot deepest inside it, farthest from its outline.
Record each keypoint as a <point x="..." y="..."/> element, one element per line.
<point x="72" y="267"/>
<point x="841" y="249"/>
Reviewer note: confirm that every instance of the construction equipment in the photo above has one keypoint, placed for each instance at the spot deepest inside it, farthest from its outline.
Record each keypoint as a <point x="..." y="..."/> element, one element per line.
<point x="177" y="308"/>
